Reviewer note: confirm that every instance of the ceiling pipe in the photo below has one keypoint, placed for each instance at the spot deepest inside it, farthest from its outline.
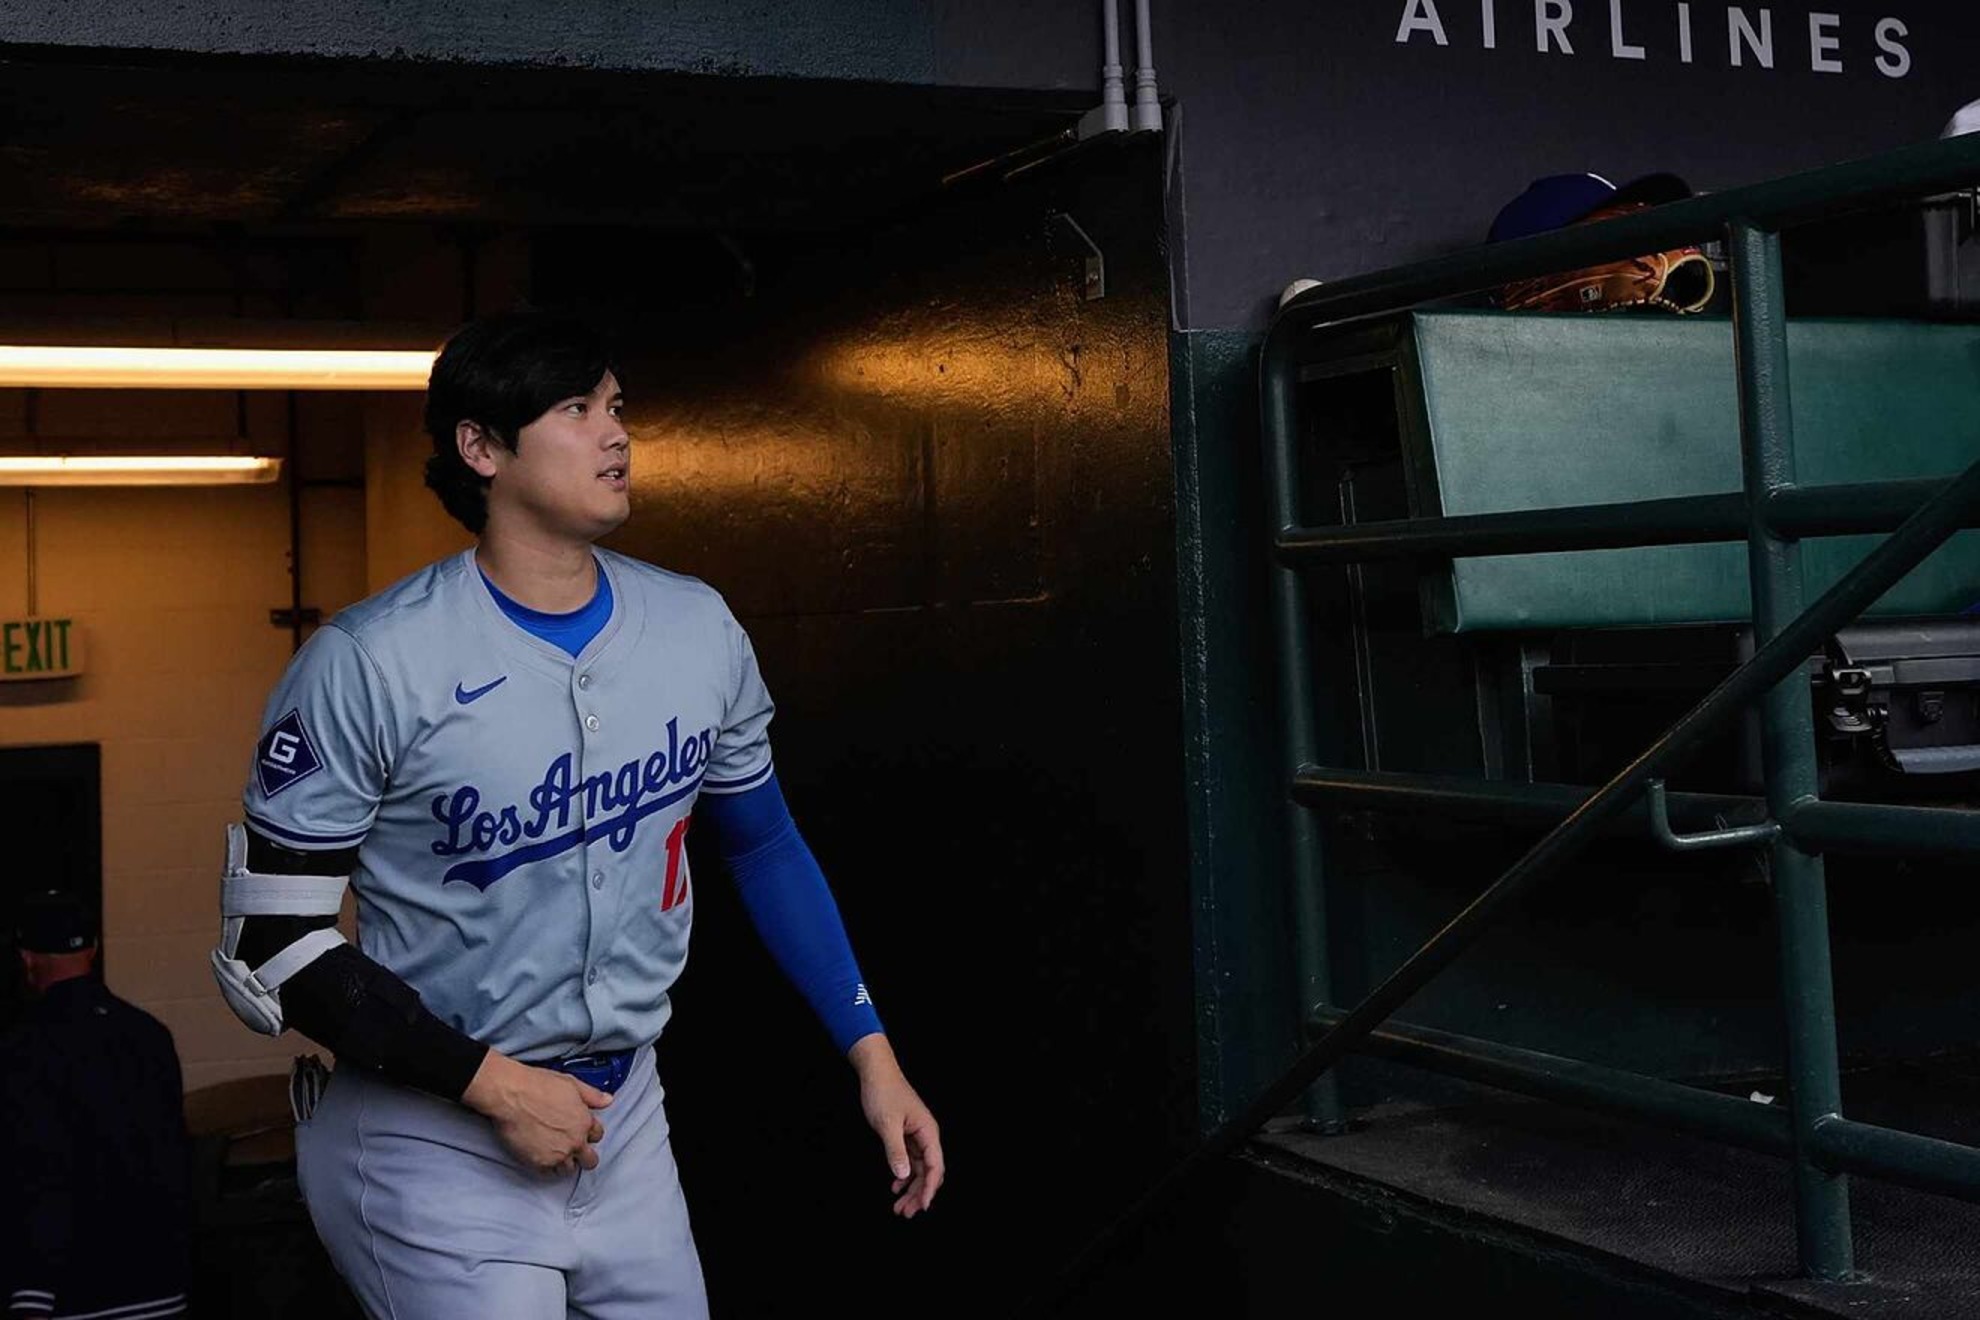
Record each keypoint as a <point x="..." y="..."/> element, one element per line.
<point x="1111" y="115"/>
<point x="1110" y="119"/>
<point x="1147" y="104"/>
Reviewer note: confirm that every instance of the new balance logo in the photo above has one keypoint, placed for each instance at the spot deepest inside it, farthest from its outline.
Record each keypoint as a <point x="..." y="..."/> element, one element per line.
<point x="862" y="997"/>
<point x="464" y="696"/>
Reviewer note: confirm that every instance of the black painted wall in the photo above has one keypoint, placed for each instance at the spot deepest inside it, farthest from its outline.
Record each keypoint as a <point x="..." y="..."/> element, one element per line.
<point x="934" y="482"/>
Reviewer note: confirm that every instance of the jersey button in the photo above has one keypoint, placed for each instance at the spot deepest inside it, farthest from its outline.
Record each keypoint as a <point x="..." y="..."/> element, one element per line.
<point x="591" y="722"/>
<point x="584" y="680"/>
<point x="591" y="977"/>
<point x="597" y="879"/>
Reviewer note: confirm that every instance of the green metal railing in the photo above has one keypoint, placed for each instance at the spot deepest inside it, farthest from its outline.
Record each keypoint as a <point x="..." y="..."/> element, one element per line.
<point x="1771" y="514"/>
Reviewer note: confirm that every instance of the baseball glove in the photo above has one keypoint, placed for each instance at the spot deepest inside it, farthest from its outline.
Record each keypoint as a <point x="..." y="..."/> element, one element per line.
<point x="1680" y="280"/>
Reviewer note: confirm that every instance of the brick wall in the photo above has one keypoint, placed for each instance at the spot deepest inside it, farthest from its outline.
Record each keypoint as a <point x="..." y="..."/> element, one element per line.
<point x="171" y="590"/>
<point x="172" y="587"/>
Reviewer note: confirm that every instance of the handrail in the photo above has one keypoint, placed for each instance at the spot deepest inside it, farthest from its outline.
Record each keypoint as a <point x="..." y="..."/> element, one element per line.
<point x="1835" y="510"/>
<point x="1770" y="513"/>
<point x="1726" y="836"/>
<point x="1871" y="577"/>
<point x="1815" y="825"/>
<point x="1690" y="1109"/>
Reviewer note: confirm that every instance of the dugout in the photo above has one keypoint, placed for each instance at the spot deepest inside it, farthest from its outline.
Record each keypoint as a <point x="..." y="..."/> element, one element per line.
<point x="1004" y="546"/>
<point x="912" y="425"/>
<point x="1507" y="557"/>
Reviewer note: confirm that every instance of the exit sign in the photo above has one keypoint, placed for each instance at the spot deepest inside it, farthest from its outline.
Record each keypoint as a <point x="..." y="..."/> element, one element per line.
<point x="39" y="648"/>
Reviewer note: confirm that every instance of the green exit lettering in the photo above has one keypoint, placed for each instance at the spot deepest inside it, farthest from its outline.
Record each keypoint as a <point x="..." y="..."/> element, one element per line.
<point x="35" y="648"/>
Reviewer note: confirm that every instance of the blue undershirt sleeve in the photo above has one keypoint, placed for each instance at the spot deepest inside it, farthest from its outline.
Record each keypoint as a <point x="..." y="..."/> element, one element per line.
<point x="791" y="906"/>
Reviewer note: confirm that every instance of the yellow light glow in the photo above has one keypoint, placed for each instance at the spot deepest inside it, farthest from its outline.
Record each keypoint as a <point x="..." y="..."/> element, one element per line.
<point x="138" y="470"/>
<point x="40" y="366"/>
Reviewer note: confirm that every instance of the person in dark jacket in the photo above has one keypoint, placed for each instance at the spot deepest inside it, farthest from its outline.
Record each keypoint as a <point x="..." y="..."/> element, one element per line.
<point x="92" y="1126"/>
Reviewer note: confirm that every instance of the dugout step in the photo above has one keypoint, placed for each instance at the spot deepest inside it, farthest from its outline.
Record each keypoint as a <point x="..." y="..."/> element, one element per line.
<point x="1714" y="1219"/>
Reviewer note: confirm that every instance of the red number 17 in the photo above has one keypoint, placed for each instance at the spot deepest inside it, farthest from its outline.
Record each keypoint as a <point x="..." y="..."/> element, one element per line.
<point x="674" y="893"/>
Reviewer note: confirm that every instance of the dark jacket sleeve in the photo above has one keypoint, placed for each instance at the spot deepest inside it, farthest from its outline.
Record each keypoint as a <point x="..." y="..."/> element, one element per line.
<point x="38" y="1150"/>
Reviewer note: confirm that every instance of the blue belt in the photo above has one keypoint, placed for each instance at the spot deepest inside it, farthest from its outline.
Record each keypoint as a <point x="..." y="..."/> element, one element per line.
<point x="607" y="1071"/>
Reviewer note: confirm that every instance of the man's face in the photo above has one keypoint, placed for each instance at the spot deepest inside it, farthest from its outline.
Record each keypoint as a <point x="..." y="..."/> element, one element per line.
<point x="571" y="473"/>
<point x="42" y="970"/>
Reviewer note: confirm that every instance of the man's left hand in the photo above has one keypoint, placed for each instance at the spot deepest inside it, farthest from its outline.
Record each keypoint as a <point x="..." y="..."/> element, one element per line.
<point x="902" y="1122"/>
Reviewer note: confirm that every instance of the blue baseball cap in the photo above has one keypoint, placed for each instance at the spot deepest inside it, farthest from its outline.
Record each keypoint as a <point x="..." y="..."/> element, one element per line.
<point x="1561" y="199"/>
<point x="55" y="922"/>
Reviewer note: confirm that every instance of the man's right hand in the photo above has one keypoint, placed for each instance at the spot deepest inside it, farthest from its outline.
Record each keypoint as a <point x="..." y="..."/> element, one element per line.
<point x="545" y="1118"/>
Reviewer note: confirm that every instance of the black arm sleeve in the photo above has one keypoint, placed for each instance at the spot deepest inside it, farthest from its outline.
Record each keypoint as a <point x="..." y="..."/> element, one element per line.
<point x="346" y="1002"/>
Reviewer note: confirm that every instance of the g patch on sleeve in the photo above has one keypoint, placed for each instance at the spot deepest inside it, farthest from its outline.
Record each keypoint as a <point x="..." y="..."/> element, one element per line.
<point x="285" y="755"/>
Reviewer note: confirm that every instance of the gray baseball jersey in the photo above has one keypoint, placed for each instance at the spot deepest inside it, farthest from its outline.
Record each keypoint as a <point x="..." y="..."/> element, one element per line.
<point x="520" y="816"/>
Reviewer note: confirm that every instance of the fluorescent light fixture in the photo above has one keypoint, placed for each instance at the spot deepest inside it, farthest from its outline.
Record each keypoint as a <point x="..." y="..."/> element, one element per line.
<point x="138" y="470"/>
<point x="37" y="366"/>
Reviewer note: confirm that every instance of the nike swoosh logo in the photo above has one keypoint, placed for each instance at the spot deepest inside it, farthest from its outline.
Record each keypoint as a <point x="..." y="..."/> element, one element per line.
<point x="464" y="696"/>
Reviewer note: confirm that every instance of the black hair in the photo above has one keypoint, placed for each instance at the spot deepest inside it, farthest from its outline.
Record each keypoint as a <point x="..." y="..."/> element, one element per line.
<point x="502" y="372"/>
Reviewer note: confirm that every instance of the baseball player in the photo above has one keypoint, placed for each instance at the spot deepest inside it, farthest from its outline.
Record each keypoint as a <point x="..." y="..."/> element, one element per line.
<point x="501" y="755"/>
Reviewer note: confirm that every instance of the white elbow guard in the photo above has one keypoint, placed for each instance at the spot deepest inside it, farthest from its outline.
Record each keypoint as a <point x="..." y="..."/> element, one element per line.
<point x="252" y="993"/>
